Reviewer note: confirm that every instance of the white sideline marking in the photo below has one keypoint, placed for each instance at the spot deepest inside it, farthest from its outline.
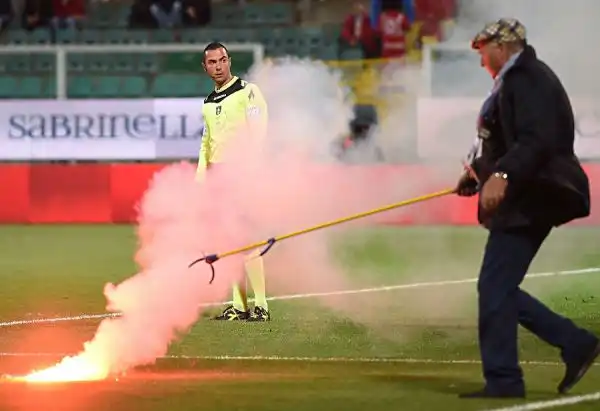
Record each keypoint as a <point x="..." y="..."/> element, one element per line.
<point x="310" y="295"/>
<point x="525" y="407"/>
<point x="296" y="359"/>
<point x="541" y="405"/>
<point x="302" y="359"/>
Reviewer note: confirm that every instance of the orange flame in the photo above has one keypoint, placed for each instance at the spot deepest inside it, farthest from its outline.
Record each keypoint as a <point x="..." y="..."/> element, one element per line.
<point x="70" y="369"/>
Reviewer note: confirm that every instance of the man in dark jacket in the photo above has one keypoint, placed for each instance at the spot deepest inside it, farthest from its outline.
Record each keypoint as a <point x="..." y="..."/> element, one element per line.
<point x="529" y="181"/>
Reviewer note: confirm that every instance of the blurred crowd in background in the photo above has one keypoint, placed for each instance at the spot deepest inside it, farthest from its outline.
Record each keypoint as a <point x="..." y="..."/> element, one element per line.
<point x="364" y="24"/>
<point x="63" y="14"/>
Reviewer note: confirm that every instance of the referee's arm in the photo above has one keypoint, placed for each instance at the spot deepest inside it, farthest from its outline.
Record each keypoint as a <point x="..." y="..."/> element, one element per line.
<point x="205" y="150"/>
<point x="257" y="115"/>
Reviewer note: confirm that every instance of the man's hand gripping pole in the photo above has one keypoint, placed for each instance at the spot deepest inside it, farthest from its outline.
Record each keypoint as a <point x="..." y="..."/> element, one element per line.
<point x="268" y="244"/>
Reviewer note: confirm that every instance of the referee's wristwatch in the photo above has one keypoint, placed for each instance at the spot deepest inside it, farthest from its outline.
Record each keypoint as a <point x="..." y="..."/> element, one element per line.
<point x="501" y="174"/>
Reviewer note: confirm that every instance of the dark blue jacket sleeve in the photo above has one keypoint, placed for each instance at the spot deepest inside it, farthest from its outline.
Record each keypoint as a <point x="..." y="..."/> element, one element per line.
<point x="535" y="137"/>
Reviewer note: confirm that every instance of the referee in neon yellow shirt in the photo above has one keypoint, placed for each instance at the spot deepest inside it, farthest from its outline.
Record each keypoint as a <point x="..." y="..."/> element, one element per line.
<point x="233" y="104"/>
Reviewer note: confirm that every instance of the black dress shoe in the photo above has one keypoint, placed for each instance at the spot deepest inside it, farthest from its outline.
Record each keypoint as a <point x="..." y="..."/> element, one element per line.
<point x="485" y="393"/>
<point x="577" y="368"/>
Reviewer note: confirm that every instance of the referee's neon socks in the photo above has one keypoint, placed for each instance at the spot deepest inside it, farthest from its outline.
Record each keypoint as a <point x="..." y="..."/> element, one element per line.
<point x="256" y="274"/>
<point x="240" y="299"/>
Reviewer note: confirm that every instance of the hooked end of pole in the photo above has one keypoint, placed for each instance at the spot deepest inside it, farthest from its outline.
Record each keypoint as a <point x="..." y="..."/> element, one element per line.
<point x="270" y="243"/>
<point x="209" y="259"/>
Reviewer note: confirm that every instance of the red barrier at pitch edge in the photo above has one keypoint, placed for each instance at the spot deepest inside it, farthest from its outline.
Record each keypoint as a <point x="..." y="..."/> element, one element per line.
<point x="14" y="193"/>
<point x="128" y="184"/>
<point x="109" y="193"/>
<point x="69" y="194"/>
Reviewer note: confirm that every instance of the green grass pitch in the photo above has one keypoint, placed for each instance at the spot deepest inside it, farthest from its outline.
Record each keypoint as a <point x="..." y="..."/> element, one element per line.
<point x="402" y="349"/>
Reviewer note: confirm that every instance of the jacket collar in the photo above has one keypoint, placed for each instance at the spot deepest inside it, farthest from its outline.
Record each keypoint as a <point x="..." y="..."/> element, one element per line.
<point x="527" y="56"/>
<point x="507" y="66"/>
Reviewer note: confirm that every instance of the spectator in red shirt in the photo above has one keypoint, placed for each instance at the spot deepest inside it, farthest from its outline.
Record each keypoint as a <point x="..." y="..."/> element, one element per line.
<point x="68" y="13"/>
<point x="357" y="31"/>
<point x="393" y="27"/>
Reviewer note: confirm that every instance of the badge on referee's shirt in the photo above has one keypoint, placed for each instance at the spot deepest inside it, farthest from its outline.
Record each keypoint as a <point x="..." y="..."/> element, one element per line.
<point x="218" y="110"/>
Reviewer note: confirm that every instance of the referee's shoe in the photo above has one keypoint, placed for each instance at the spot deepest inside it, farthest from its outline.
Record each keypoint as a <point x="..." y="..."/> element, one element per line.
<point x="259" y="314"/>
<point x="233" y="314"/>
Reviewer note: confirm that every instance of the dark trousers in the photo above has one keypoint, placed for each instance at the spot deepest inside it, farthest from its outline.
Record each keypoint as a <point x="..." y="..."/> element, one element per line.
<point x="503" y="306"/>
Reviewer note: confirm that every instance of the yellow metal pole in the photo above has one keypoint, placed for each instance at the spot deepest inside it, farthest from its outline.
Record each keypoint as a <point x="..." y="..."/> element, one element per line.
<point x="269" y="243"/>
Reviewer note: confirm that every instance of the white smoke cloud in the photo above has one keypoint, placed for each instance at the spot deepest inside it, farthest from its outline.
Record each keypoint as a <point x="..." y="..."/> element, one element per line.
<point x="288" y="183"/>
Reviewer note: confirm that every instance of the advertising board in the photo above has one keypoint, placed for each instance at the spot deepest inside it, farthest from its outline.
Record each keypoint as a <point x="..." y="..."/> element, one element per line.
<point x="146" y="129"/>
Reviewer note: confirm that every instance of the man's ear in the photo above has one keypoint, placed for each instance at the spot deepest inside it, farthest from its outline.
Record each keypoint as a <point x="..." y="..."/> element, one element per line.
<point x="204" y="66"/>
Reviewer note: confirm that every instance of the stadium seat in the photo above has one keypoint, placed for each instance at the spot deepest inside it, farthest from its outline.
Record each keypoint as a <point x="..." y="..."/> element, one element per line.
<point x="226" y="15"/>
<point x="278" y="13"/>
<point x="125" y="36"/>
<point x="313" y="36"/>
<point x="292" y="41"/>
<point x="98" y="62"/>
<point x="8" y="87"/>
<point x="204" y="36"/>
<point x="75" y="62"/>
<point x="43" y="62"/>
<point x="353" y="53"/>
<point x="275" y="14"/>
<point x="147" y="63"/>
<point x="17" y="37"/>
<point x="40" y="36"/>
<point x="90" y="36"/>
<point x="122" y="62"/>
<point x="327" y="52"/>
<point x="162" y="36"/>
<point x="67" y="37"/>
<point x="133" y="86"/>
<point x="20" y="63"/>
<point x="107" y="87"/>
<point x="265" y="35"/>
<point x="241" y="35"/>
<point x="254" y="14"/>
<point x="176" y="85"/>
<point x="79" y="87"/>
<point x="192" y="36"/>
<point x="30" y="87"/>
